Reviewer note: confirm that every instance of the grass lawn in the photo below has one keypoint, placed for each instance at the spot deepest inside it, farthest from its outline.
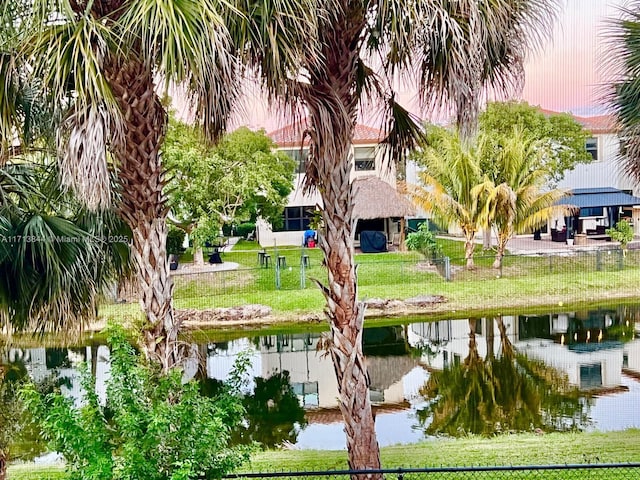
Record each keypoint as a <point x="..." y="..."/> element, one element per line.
<point x="524" y="282"/>
<point x="520" y="449"/>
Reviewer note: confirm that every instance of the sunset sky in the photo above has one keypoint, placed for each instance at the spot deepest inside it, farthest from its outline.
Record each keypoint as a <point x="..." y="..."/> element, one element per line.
<point x="564" y="76"/>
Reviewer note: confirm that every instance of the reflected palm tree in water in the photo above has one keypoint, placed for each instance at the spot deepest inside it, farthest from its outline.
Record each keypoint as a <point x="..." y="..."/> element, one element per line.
<point x="501" y="393"/>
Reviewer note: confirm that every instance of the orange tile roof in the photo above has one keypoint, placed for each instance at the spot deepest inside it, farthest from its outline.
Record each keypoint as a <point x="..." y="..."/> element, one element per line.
<point x="595" y="124"/>
<point x="599" y="123"/>
<point x="291" y="135"/>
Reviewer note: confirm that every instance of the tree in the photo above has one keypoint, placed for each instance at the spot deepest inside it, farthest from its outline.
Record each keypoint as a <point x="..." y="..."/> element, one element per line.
<point x="561" y="139"/>
<point x="239" y="179"/>
<point x="98" y="63"/>
<point x="452" y="184"/>
<point x="517" y="200"/>
<point x="456" y="49"/>
<point x="622" y="67"/>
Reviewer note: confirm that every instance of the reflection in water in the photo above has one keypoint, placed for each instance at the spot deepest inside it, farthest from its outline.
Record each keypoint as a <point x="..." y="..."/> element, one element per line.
<point x="19" y="437"/>
<point x="505" y="393"/>
<point x="516" y="371"/>
<point x="273" y="413"/>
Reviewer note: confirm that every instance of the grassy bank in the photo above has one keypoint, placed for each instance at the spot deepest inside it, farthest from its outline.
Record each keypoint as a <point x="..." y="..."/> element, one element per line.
<point x="524" y="281"/>
<point x="521" y="449"/>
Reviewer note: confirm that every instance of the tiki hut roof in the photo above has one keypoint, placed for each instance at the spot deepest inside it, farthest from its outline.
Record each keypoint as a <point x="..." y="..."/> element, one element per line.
<point x="375" y="198"/>
<point x="385" y="371"/>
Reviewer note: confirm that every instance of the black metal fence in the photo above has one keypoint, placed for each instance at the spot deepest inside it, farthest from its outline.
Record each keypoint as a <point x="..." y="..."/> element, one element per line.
<point x="621" y="471"/>
<point x="291" y="271"/>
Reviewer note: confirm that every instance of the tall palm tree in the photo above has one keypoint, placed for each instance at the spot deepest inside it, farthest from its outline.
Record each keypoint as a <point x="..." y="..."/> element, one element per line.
<point x="99" y="61"/>
<point x="517" y="200"/>
<point x="622" y="66"/>
<point x="452" y="185"/>
<point x="456" y="49"/>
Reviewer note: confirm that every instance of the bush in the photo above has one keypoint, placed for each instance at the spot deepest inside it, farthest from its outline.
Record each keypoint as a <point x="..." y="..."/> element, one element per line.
<point x="424" y="241"/>
<point x="175" y="240"/>
<point x="153" y="426"/>
<point x="622" y="232"/>
<point x="245" y="229"/>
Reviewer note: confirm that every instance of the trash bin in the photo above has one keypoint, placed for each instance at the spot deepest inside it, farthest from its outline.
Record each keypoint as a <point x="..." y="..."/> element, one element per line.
<point x="580" y="239"/>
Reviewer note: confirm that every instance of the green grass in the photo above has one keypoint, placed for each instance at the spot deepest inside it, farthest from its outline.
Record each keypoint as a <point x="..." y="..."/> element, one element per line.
<point x="524" y="282"/>
<point x="246" y="245"/>
<point x="520" y="449"/>
<point x="30" y="471"/>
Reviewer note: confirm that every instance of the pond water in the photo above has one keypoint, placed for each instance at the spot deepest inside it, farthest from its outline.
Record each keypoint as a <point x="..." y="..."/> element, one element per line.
<point x="544" y="372"/>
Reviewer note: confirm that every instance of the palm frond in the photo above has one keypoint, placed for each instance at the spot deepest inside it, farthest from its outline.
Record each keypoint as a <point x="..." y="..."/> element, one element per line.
<point x="465" y="47"/>
<point x="403" y="132"/>
<point x="188" y="43"/>
<point x="69" y="55"/>
<point x="621" y="67"/>
<point x="83" y="161"/>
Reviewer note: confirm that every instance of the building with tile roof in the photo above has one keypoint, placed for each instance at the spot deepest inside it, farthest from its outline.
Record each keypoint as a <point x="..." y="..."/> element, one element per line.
<point x="369" y="174"/>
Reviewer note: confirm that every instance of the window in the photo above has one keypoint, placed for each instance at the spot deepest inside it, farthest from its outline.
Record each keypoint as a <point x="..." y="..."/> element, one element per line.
<point x="297" y="219"/>
<point x="299" y="156"/>
<point x="592" y="147"/>
<point x="364" y="159"/>
<point x="307" y="393"/>
<point x="591" y="212"/>
<point x="590" y="376"/>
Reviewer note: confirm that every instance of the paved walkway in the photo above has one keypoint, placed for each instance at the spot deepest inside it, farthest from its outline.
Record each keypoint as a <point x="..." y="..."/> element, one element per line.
<point x="190" y="268"/>
<point x="526" y="245"/>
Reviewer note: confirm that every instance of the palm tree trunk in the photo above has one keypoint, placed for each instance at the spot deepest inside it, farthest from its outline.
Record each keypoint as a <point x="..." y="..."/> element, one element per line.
<point x="503" y="239"/>
<point x="3" y="466"/>
<point x="468" y="250"/>
<point x="142" y="204"/>
<point x="345" y="312"/>
<point x="486" y="238"/>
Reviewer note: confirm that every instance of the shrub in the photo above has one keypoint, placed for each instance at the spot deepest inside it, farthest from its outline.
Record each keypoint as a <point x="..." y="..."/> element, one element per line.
<point x="424" y="241"/>
<point x="245" y="229"/>
<point x="622" y="232"/>
<point x="153" y="426"/>
<point x="175" y="240"/>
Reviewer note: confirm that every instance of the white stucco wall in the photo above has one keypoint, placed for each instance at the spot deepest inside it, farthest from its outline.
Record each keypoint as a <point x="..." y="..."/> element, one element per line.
<point x="605" y="172"/>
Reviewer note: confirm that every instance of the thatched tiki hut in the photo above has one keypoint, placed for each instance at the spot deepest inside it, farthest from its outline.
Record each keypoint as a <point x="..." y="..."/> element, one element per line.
<point x="381" y="208"/>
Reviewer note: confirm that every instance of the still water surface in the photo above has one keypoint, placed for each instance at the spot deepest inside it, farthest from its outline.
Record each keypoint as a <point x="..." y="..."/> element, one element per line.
<point x="544" y="372"/>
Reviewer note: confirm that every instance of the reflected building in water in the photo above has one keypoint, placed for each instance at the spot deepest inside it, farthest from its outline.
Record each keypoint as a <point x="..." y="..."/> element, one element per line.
<point x="594" y="348"/>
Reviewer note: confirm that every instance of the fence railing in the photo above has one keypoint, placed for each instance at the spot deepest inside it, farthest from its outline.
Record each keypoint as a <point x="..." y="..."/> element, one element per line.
<point x="620" y="471"/>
